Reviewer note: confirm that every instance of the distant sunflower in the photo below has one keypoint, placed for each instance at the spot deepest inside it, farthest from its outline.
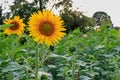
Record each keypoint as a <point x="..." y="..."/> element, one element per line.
<point x="46" y="28"/>
<point x="17" y="28"/>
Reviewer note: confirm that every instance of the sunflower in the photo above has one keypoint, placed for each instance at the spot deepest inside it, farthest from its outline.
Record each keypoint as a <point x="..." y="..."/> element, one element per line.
<point x="46" y="28"/>
<point x="17" y="28"/>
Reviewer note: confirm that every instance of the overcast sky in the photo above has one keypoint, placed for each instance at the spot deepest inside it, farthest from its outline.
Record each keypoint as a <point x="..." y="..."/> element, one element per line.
<point x="111" y="7"/>
<point x="89" y="7"/>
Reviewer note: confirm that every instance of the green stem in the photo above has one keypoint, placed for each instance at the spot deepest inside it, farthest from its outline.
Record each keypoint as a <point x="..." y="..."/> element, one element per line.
<point x="43" y="57"/>
<point x="73" y="67"/>
<point x="36" y="63"/>
<point x="8" y="54"/>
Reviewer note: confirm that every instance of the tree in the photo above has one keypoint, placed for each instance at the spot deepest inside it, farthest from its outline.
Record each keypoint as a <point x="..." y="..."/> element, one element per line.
<point x="1" y="18"/>
<point x="75" y="19"/>
<point x="65" y="4"/>
<point x="24" y="9"/>
<point x="102" y="18"/>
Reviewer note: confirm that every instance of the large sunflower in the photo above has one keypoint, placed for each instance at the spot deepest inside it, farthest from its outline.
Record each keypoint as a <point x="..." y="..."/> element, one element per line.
<point x="17" y="28"/>
<point x="46" y="28"/>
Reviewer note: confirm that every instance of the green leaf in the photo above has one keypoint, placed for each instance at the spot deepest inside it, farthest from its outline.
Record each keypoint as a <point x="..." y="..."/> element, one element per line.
<point x="13" y="67"/>
<point x="84" y="78"/>
<point x="4" y="26"/>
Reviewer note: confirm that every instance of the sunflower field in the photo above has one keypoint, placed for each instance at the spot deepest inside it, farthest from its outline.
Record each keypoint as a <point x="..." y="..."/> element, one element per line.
<point x="45" y="46"/>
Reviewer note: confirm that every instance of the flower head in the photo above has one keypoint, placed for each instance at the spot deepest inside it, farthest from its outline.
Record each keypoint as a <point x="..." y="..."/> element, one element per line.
<point x="17" y="28"/>
<point x="46" y="28"/>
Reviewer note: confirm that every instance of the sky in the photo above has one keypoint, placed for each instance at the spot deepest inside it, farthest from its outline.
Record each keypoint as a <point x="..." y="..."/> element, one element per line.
<point x="89" y="7"/>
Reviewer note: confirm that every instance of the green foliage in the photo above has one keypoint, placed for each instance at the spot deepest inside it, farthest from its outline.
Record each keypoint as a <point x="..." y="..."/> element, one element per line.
<point x="75" y="19"/>
<point x="24" y="9"/>
<point x="96" y="57"/>
<point x="4" y="26"/>
<point x="89" y="56"/>
<point x="102" y="18"/>
<point x="66" y="4"/>
<point x="96" y="53"/>
<point x="1" y="17"/>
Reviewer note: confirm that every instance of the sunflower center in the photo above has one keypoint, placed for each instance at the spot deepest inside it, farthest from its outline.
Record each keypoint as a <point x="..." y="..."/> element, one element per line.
<point x="47" y="29"/>
<point x="16" y="26"/>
